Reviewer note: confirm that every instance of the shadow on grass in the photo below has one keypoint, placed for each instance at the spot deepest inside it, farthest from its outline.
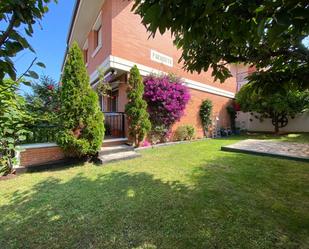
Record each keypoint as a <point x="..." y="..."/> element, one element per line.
<point x="231" y="205"/>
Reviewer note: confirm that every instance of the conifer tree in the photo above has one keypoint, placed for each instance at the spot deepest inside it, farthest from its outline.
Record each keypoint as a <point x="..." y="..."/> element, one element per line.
<point x="81" y="118"/>
<point x="136" y="109"/>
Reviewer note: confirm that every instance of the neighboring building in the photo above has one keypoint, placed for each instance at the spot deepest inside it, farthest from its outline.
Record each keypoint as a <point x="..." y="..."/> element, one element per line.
<point x="113" y="37"/>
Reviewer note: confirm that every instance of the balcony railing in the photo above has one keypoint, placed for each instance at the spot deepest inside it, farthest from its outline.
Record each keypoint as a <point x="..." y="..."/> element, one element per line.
<point x="114" y="123"/>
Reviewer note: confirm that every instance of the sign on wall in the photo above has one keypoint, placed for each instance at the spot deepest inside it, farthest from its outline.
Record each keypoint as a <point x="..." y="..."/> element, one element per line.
<point x="161" y="58"/>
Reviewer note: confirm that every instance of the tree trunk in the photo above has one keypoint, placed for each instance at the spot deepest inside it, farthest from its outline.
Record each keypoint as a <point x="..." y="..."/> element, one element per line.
<point x="276" y="124"/>
<point x="276" y="128"/>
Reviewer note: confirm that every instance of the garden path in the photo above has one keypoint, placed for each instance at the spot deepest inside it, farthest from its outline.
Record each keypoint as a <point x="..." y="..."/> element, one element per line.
<point x="288" y="150"/>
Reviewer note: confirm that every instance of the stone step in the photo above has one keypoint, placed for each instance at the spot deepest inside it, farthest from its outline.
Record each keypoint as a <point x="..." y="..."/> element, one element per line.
<point x="115" y="149"/>
<point x="123" y="155"/>
<point x="114" y="142"/>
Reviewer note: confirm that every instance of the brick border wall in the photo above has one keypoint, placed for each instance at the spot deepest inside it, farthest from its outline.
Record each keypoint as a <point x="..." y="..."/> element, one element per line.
<point x="40" y="154"/>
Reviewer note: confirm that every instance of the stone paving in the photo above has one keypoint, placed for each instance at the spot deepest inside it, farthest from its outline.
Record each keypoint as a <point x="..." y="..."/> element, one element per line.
<point x="287" y="150"/>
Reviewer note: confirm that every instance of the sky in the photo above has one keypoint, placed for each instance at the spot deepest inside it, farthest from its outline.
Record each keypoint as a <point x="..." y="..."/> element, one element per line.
<point x="49" y="41"/>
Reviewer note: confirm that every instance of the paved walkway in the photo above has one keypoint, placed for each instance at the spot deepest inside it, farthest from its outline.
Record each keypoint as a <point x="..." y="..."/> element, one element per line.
<point x="295" y="151"/>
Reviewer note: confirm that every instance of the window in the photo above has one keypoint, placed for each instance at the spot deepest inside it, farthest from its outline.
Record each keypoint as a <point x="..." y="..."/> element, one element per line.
<point x="86" y="55"/>
<point x="85" y="52"/>
<point x="101" y="102"/>
<point x="98" y="37"/>
<point x="112" y="102"/>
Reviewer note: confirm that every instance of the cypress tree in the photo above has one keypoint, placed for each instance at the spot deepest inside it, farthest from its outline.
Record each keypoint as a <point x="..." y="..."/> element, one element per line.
<point x="82" y="121"/>
<point x="136" y="109"/>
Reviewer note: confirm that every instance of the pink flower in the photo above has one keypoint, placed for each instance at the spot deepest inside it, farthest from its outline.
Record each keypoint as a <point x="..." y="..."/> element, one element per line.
<point x="146" y="143"/>
<point x="50" y="87"/>
<point x="166" y="98"/>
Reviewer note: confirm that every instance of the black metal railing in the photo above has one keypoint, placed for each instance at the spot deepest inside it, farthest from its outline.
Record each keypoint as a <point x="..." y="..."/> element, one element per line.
<point x="41" y="134"/>
<point x="114" y="123"/>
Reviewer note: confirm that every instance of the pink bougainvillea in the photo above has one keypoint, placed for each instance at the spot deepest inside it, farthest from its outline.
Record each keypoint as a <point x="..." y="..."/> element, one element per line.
<point x="146" y="143"/>
<point x="167" y="98"/>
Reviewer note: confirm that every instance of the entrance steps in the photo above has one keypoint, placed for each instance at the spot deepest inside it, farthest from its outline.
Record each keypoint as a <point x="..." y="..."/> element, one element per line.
<point x="117" y="153"/>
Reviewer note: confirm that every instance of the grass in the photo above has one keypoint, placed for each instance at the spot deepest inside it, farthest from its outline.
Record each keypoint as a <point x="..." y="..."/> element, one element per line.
<point x="183" y="196"/>
<point x="297" y="137"/>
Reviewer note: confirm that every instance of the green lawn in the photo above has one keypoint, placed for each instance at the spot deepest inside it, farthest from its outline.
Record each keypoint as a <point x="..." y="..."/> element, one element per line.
<point x="184" y="196"/>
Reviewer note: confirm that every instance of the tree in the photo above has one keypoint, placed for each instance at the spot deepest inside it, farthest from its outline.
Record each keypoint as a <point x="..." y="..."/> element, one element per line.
<point x="205" y="114"/>
<point x="136" y="109"/>
<point x="18" y="14"/>
<point x="44" y="101"/>
<point x="13" y="118"/>
<point x="267" y="34"/>
<point x="167" y="98"/>
<point x="81" y="120"/>
<point x="279" y="105"/>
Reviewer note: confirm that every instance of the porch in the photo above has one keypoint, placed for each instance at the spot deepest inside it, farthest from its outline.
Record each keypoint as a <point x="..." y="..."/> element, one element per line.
<point x="115" y="127"/>
<point x="113" y="107"/>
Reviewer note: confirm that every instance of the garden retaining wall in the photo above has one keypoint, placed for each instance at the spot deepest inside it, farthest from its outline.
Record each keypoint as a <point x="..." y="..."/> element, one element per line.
<point x="39" y="154"/>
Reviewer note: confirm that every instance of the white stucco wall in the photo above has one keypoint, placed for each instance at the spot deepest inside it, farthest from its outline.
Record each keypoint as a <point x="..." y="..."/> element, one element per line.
<point x="299" y="124"/>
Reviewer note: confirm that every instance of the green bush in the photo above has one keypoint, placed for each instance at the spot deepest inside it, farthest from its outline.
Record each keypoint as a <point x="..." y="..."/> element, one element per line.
<point x="185" y="132"/>
<point x="205" y="114"/>
<point x="156" y="134"/>
<point x="82" y="122"/>
<point x="136" y="109"/>
<point x="13" y="120"/>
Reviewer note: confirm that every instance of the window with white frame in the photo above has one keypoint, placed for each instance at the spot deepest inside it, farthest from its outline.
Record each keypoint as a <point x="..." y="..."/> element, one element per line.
<point x="85" y="52"/>
<point x="97" y="35"/>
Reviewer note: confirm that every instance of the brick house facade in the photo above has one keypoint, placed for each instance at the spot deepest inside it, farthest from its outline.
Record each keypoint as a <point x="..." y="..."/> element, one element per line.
<point x="112" y="37"/>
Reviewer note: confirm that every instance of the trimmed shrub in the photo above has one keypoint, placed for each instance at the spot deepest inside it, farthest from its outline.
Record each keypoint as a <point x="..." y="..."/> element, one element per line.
<point x="205" y="114"/>
<point x="185" y="132"/>
<point x="81" y="119"/>
<point x="136" y="109"/>
<point x="167" y="98"/>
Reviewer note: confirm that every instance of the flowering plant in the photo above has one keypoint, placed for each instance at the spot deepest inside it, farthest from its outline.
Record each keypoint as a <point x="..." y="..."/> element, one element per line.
<point x="50" y="87"/>
<point x="145" y="143"/>
<point x="167" y="97"/>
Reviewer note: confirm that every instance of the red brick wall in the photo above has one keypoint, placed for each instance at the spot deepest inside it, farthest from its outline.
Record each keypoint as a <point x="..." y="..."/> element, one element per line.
<point x="40" y="156"/>
<point x="131" y="41"/>
<point x="105" y="51"/>
<point x="191" y="116"/>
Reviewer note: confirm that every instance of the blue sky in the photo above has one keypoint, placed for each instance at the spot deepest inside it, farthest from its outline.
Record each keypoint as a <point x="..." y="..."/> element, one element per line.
<point x="49" y="41"/>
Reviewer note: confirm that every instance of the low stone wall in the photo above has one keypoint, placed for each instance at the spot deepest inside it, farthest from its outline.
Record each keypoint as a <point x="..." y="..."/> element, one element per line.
<point x="39" y="154"/>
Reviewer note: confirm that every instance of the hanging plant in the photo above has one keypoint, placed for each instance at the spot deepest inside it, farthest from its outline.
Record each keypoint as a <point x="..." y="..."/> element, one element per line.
<point x="103" y="86"/>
